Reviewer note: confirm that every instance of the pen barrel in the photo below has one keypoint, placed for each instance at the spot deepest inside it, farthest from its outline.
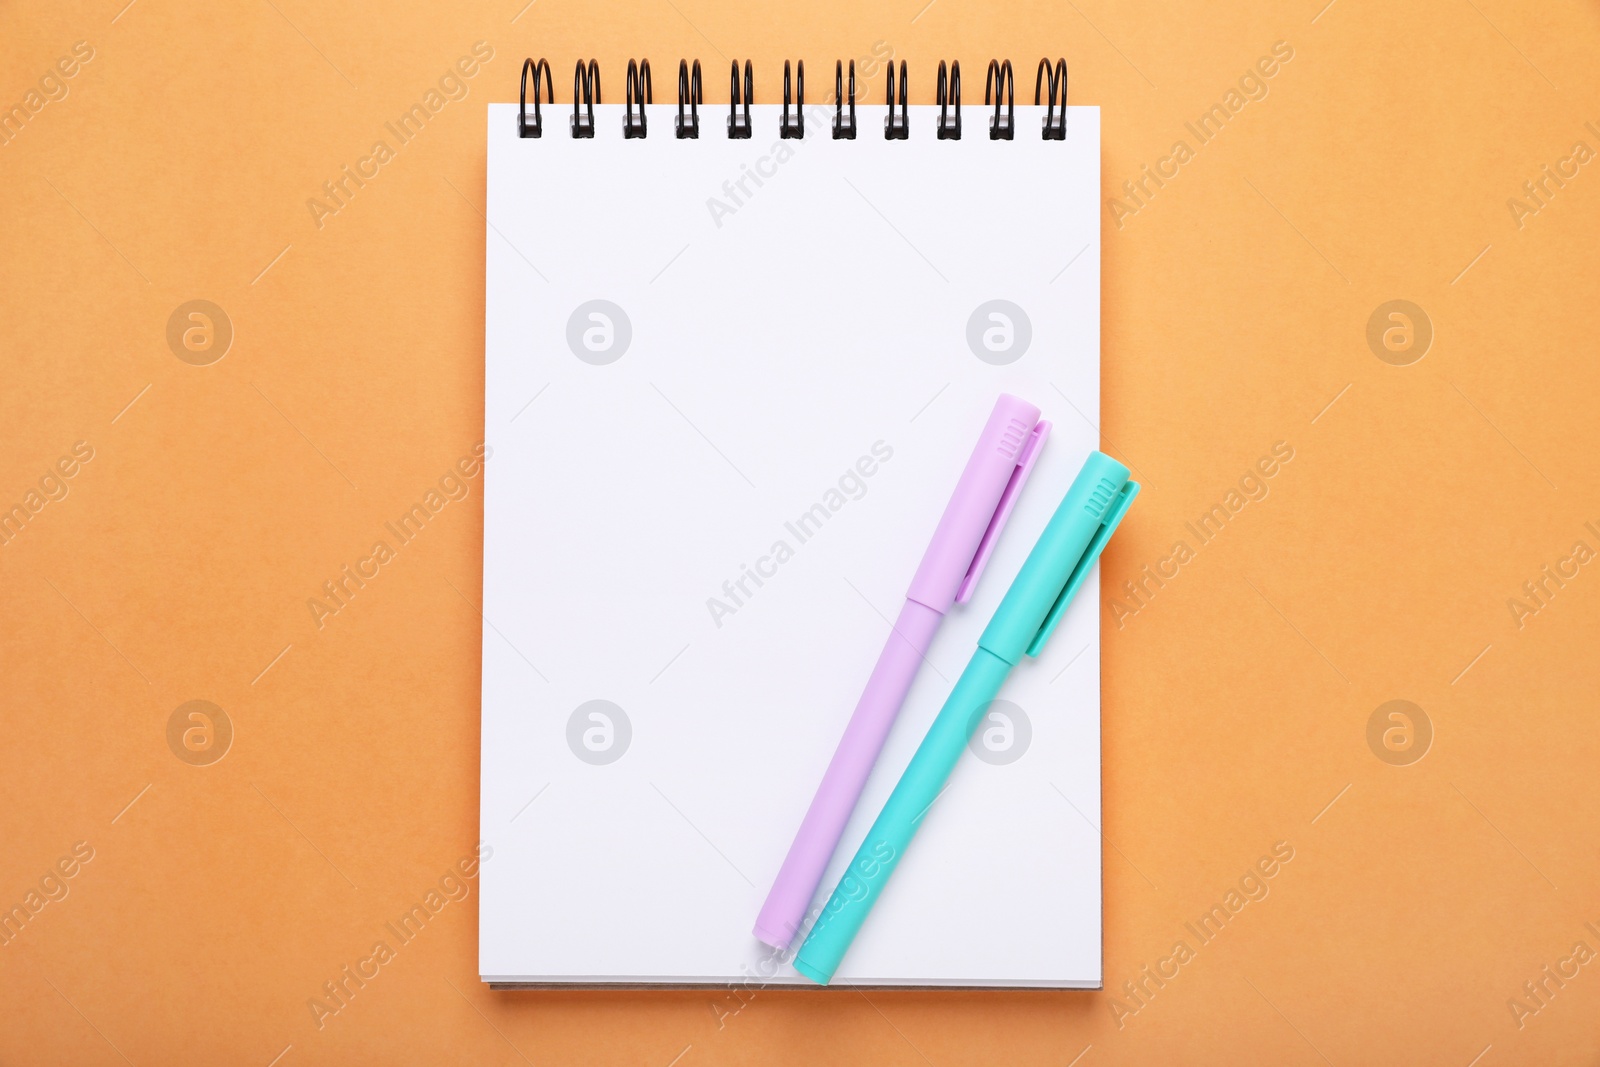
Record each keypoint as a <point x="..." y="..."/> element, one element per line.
<point x="784" y="913"/>
<point x="902" y="815"/>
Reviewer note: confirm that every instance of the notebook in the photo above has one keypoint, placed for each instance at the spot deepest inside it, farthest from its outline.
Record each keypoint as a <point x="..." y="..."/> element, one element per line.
<point x="730" y="384"/>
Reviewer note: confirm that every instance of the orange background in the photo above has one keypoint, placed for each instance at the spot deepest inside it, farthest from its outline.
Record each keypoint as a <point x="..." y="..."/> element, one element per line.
<point x="220" y="898"/>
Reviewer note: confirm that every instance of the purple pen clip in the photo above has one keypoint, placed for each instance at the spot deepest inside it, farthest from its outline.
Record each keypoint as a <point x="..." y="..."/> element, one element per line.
<point x="983" y="497"/>
<point x="1002" y="511"/>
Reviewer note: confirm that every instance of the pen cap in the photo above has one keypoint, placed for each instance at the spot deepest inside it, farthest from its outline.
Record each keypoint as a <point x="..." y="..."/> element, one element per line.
<point x="980" y="505"/>
<point x="1065" y="552"/>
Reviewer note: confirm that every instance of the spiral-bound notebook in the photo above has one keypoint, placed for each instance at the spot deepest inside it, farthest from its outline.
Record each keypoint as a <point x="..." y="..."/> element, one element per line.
<point x="731" y="381"/>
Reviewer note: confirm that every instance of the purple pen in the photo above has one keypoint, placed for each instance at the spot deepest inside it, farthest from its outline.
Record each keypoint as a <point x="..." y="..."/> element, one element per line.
<point x="961" y="545"/>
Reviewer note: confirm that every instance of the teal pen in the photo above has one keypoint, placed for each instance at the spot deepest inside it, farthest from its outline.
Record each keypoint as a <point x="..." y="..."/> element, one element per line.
<point x="1033" y="606"/>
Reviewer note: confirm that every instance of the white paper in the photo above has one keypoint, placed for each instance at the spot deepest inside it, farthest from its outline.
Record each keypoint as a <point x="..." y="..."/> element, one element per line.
<point x="778" y="334"/>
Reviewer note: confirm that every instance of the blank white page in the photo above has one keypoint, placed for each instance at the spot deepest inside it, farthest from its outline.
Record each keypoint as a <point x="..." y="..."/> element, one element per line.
<point x="730" y="386"/>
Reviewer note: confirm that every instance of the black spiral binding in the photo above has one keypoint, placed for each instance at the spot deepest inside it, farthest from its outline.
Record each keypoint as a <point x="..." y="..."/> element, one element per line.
<point x="948" y="91"/>
<point x="585" y="90"/>
<point x="1055" y="126"/>
<point x="1049" y="89"/>
<point x="536" y="127"/>
<point x="639" y="92"/>
<point x="897" y="129"/>
<point x="1001" y="127"/>
<point x="689" y="90"/>
<point x="795" y="130"/>
<point x="739" y="125"/>
<point x="843" y="130"/>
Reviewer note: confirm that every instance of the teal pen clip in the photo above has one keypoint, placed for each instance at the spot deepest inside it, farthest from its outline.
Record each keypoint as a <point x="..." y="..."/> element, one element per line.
<point x="1024" y="621"/>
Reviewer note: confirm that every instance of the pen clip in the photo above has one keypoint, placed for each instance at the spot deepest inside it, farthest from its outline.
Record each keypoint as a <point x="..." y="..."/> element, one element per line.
<point x="1008" y="499"/>
<point x="1108" y="525"/>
